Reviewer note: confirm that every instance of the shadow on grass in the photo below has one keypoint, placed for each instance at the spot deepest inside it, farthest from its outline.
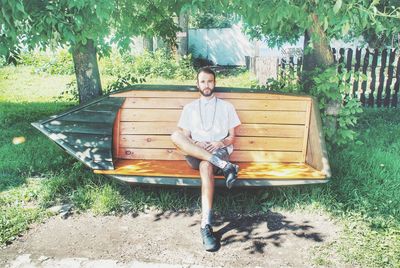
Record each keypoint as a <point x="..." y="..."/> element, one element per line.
<point x="24" y="151"/>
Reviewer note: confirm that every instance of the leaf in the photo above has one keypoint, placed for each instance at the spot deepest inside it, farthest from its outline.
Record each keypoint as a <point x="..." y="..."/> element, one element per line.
<point x="326" y="24"/>
<point x="337" y="6"/>
<point x="345" y="28"/>
<point x="20" y="7"/>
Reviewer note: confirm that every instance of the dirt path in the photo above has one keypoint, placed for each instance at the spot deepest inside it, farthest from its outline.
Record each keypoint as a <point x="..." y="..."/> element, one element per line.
<point x="284" y="239"/>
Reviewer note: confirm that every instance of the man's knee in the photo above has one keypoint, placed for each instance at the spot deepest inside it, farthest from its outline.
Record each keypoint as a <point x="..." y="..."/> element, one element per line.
<point x="176" y="136"/>
<point x="205" y="167"/>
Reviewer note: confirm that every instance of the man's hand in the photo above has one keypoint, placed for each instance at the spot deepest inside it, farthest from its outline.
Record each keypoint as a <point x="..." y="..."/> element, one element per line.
<point x="214" y="145"/>
<point x="202" y="144"/>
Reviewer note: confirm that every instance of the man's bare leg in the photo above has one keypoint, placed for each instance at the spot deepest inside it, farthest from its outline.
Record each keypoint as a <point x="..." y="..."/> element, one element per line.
<point x="210" y="242"/>
<point x="207" y="191"/>
<point x="186" y="146"/>
<point x="189" y="148"/>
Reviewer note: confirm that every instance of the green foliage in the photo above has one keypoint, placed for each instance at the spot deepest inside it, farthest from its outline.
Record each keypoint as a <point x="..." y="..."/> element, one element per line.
<point x="59" y="62"/>
<point x="123" y="81"/>
<point x="116" y="63"/>
<point x="162" y="64"/>
<point x="64" y="22"/>
<point x="287" y="81"/>
<point x="126" y="69"/>
<point x="365" y="185"/>
<point x="106" y="200"/>
<point x="70" y="94"/>
<point x="333" y="91"/>
<point x="17" y="210"/>
<point x="286" y="21"/>
<point x="363" y="194"/>
<point x="185" y="68"/>
<point x="210" y="18"/>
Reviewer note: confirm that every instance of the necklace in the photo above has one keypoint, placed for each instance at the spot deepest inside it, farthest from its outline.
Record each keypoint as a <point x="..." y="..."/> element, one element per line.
<point x="201" y="117"/>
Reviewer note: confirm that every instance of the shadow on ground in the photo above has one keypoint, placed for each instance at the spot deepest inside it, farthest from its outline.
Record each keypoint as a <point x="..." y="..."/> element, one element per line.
<point x="270" y="228"/>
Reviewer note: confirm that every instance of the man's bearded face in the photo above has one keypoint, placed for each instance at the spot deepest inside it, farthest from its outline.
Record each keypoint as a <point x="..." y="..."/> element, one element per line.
<point x="206" y="84"/>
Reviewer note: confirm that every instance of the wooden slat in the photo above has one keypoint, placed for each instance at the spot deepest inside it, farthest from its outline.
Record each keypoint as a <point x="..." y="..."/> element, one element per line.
<point x="59" y="126"/>
<point x="364" y="82"/>
<point x="84" y="140"/>
<point x="95" y="116"/>
<point x="96" y="154"/>
<point x="180" y="169"/>
<point x="241" y="143"/>
<point x="269" y="105"/>
<point x="260" y="130"/>
<point x="266" y="156"/>
<point x="150" y="115"/>
<point x="268" y="130"/>
<point x="382" y="73"/>
<point x="239" y="104"/>
<point x="272" y="117"/>
<point x="263" y="117"/>
<point x="116" y="131"/>
<point x="356" y="70"/>
<point x="148" y="128"/>
<point x="306" y="131"/>
<point x="237" y="156"/>
<point x="371" y="98"/>
<point x="388" y="87"/>
<point x="317" y="155"/>
<point x="396" y="86"/>
<point x="166" y="103"/>
<point x="223" y="95"/>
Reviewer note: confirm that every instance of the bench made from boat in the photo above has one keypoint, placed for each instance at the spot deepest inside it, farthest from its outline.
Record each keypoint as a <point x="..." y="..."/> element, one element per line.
<point x="126" y="135"/>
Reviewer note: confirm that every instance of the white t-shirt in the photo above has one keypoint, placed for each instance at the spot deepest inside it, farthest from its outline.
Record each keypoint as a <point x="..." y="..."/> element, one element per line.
<point x="206" y="127"/>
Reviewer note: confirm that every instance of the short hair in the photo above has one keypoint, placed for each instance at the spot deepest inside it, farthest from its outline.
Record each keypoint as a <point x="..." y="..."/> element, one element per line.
<point x="206" y="70"/>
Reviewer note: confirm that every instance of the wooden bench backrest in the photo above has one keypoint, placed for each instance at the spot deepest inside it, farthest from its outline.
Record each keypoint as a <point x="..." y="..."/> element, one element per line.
<point x="274" y="127"/>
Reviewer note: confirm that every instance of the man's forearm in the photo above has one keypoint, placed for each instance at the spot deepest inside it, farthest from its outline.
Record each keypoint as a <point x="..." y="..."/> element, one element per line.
<point x="228" y="140"/>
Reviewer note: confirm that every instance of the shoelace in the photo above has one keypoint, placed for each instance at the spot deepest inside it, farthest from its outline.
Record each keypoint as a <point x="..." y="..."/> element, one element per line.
<point x="207" y="231"/>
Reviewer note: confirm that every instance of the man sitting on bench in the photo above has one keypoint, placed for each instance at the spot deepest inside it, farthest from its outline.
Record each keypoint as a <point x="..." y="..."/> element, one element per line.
<point x="207" y="130"/>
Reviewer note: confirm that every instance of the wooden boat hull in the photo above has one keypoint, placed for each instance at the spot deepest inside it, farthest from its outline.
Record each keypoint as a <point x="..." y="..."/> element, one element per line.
<point x="94" y="134"/>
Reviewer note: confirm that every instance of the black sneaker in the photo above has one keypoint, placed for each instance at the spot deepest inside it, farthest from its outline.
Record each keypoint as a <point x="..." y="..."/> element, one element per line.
<point x="209" y="240"/>
<point x="230" y="173"/>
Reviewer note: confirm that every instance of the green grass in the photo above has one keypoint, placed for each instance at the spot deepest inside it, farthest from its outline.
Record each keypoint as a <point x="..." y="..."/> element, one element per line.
<point x="34" y="175"/>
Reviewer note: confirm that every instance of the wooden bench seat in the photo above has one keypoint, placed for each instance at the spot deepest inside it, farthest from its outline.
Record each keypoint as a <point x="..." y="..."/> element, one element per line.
<point x="162" y="168"/>
<point x="278" y="143"/>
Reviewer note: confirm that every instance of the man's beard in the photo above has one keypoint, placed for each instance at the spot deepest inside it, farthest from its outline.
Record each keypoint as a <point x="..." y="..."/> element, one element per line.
<point x="207" y="95"/>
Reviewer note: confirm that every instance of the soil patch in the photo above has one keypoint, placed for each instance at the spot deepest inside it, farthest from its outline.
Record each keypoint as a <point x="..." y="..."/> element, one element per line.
<point x="285" y="239"/>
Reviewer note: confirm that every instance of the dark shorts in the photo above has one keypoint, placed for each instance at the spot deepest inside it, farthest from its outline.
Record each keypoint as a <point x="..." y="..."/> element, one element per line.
<point x="194" y="162"/>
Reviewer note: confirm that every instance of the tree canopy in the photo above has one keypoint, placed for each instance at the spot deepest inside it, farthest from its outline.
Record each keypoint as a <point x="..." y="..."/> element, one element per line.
<point x="282" y="21"/>
<point x="71" y="22"/>
<point x="88" y="27"/>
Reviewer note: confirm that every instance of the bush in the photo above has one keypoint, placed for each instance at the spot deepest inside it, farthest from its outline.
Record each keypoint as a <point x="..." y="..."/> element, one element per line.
<point x="116" y="63"/>
<point x="329" y="87"/>
<point x="59" y="62"/>
<point x="158" y="64"/>
<point x="162" y="64"/>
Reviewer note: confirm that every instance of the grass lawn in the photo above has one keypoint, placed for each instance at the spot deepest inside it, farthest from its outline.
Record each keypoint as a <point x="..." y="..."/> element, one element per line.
<point x="363" y="194"/>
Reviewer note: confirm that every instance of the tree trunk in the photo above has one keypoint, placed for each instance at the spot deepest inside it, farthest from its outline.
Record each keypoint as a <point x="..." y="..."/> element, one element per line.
<point x="183" y="35"/>
<point x="86" y="71"/>
<point x="320" y="56"/>
<point x="148" y="43"/>
<point x="159" y="43"/>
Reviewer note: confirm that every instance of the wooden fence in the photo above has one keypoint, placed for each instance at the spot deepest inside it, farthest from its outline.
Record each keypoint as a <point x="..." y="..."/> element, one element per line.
<point x="382" y="69"/>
